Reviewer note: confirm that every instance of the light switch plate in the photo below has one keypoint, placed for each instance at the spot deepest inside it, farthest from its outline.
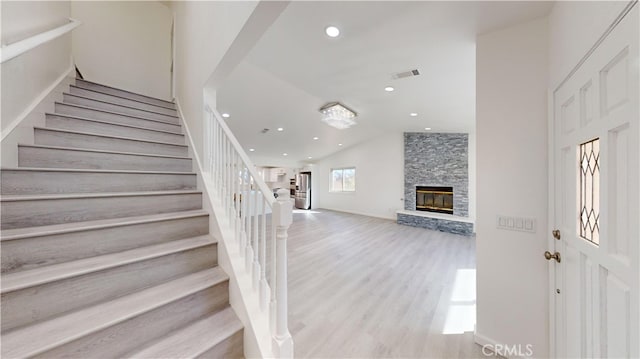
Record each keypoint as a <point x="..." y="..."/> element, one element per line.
<point x="511" y="223"/>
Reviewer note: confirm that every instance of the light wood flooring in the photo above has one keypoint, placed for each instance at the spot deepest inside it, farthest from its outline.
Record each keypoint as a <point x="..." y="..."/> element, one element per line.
<point x="362" y="287"/>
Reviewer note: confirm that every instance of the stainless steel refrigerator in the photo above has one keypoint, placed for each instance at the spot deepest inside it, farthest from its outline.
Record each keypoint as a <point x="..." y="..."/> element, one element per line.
<point x="303" y="190"/>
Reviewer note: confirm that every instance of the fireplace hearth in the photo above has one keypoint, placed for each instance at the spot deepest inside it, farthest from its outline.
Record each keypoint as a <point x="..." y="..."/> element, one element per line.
<point x="434" y="199"/>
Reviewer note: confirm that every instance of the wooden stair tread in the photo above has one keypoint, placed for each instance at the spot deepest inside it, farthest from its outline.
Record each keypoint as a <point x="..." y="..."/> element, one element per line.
<point x="82" y="170"/>
<point x="168" y="107"/>
<point x="115" y="113"/>
<point x="41" y="337"/>
<point x="40" y="197"/>
<point x="117" y="104"/>
<point x="29" y="232"/>
<point x="33" y="277"/>
<point x="131" y="92"/>
<point x="111" y="123"/>
<point x="195" y="339"/>
<point x="103" y="151"/>
<point x="107" y="136"/>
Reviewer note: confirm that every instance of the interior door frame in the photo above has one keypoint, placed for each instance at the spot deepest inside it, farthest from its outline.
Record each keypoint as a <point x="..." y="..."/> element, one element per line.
<point x="551" y="164"/>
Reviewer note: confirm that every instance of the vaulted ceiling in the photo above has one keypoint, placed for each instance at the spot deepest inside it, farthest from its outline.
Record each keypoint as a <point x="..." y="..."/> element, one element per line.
<point x="296" y="68"/>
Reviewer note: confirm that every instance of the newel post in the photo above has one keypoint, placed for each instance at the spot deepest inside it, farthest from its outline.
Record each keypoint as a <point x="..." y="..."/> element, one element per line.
<point x="283" y="217"/>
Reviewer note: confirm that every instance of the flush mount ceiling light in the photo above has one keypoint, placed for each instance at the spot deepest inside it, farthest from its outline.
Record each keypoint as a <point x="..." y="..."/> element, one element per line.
<point x="337" y="115"/>
<point x="315" y="138"/>
<point x="427" y="128"/>
<point x="285" y="154"/>
<point x="280" y="129"/>
<point x="252" y="149"/>
<point x="226" y="115"/>
<point x="332" y="31"/>
<point x="389" y="89"/>
<point x="413" y="114"/>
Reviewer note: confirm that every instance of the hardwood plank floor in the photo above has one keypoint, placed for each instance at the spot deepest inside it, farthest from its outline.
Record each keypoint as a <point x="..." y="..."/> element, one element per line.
<point x="362" y="287"/>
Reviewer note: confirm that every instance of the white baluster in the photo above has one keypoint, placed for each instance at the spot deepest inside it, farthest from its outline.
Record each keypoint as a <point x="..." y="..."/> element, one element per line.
<point x="243" y="212"/>
<point x="283" y="213"/>
<point x="251" y="202"/>
<point x="238" y="186"/>
<point x="256" y="240"/>
<point x="272" y="275"/>
<point x="231" y="172"/>
<point x="264" y="286"/>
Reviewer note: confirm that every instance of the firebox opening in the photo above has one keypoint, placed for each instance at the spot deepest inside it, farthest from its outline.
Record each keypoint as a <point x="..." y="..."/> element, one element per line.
<point x="434" y="199"/>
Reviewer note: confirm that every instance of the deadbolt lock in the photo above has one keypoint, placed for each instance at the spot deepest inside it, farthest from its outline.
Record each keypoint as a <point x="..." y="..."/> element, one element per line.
<point x="556" y="234"/>
<point x="555" y="256"/>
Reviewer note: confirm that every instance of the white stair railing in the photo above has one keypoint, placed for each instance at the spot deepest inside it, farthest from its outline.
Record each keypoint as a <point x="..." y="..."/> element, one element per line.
<point x="260" y="223"/>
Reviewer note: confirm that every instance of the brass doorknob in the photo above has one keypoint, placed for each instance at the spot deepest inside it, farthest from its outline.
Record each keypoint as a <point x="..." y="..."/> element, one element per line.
<point x="555" y="256"/>
<point x="556" y="234"/>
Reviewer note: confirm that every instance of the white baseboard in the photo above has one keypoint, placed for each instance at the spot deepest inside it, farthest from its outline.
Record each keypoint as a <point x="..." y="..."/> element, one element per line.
<point x="485" y="341"/>
<point x="35" y="103"/>
<point x="358" y="213"/>
<point x="20" y="130"/>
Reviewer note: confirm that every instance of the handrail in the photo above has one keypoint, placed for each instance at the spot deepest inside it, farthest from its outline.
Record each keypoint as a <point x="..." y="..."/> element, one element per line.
<point x="20" y="47"/>
<point x="246" y="202"/>
<point x="244" y="157"/>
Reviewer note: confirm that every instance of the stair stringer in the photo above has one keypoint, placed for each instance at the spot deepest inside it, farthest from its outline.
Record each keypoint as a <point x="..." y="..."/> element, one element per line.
<point x="245" y="302"/>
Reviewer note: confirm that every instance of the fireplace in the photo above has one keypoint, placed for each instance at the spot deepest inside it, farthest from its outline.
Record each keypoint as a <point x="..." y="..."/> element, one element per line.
<point x="434" y="199"/>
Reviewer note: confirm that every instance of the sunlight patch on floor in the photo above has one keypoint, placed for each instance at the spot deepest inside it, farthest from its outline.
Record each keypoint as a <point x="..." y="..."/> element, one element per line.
<point x="461" y="315"/>
<point x="305" y="211"/>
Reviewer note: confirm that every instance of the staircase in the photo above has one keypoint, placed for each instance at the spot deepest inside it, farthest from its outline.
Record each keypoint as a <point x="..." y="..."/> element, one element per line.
<point x="106" y="251"/>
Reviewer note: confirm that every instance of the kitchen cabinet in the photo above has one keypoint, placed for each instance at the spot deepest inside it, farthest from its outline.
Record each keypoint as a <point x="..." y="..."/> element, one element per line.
<point x="277" y="174"/>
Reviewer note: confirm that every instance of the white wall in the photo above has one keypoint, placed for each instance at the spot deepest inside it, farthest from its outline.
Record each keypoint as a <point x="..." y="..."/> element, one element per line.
<point x="574" y="27"/>
<point x="379" y="164"/>
<point x="29" y="80"/>
<point x="125" y="44"/>
<point x="203" y="33"/>
<point x="511" y="128"/>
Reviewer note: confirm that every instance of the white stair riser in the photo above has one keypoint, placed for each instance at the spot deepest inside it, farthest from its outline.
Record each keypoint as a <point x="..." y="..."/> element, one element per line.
<point x="68" y="109"/>
<point x="68" y="158"/>
<point x="77" y="140"/>
<point x="74" y="124"/>
<point x="20" y="214"/>
<point x="118" y="108"/>
<point x="117" y="340"/>
<point x="121" y="101"/>
<point x="34" y="252"/>
<point x="15" y="182"/>
<point x="123" y="93"/>
<point x="30" y="305"/>
<point x="232" y="347"/>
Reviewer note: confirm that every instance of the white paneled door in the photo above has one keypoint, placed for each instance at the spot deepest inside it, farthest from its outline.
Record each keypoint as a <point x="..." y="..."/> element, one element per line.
<point x="594" y="255"/>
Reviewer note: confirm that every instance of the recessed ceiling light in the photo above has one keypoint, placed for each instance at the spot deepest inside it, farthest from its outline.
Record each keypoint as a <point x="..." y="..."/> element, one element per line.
<point x="413" y="114"/>
<point x="284" y="154"/>
<point x="315" y="138"/>
<point x="427" y="128"/>
<point x="252" y="149"/>
<point x="339" y="144"/>
<point x="389" y="89"/>
<point x="332" y="31"/>
<point x="280" y="129"/>
<point x="226" y="115"/>
<point x="309" y="157"/>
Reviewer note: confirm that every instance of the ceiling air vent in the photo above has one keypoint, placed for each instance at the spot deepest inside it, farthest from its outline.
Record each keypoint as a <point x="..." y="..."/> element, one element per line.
<point x="264" y="130"/>
<point x="401" y="75"/>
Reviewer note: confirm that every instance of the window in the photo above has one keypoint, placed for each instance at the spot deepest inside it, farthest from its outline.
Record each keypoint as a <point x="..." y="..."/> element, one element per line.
<point x="590" y="191"/>
<point x="343" y="179"/>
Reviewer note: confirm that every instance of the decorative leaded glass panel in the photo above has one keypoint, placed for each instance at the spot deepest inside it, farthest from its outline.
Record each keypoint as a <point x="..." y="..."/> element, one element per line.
<point x="590" y="191"/>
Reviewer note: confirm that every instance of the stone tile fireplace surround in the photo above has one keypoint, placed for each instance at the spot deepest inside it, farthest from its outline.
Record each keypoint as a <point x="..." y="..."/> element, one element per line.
<point x="437" y="159"/>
